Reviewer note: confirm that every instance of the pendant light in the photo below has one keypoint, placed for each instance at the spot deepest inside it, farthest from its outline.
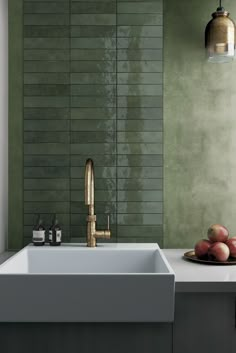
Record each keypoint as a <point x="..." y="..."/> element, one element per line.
<point x="220" y="37"/>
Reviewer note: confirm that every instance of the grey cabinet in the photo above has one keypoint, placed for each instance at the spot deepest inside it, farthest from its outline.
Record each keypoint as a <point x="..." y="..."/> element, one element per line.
<point x="204" y="323"/>
<point x="85" y="338"/>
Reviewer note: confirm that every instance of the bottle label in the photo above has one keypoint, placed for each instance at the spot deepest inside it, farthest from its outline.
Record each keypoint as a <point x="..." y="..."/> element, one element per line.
<point x="58" y="236"/>
<point x="54" y="236"/>
<point x="38" y="236"/>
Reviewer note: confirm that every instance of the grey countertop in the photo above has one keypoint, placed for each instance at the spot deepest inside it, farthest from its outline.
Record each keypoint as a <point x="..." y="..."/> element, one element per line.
<point x="197" y="277"/>
<point x="190" y="276"/>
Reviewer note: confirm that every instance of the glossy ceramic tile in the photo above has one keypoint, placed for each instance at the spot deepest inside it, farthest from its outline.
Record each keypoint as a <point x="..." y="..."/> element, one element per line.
<point x="139" y="31"/>
<point x="93" y="101"/>
<point x="46" y="125"/>
<point x="48" y="136"/>
<point x="60" y="7"/>
<point x="30" y="219"/>
<point x="93" y="136"/>
<point x="46" y="78"/>
<point x="141" y="7"/>
<point x="47" y="90"/>
<point x="140" y="184"/>
<point x="99" y="118"/>
<point x="132" y="89"/>
<point x="93" y="7"/>
<point x="131" y="195"/>
<point x="46" y="114"/>
<point x="46" y="184"/>
<point x="93" y="54"/>
<point x="145" y="231"/>
<point x="94" y="19"/>
<point x="140" y="172"/>
<point x="49" y="195"/>
<point x="93" y="31"/>
<point x="147" y="137"/>
<point x="46" y="43"/>
<point x="93" y="43"/>
<point x="90" y="91"/>
<point x="47" y="31"/>
<point x="139" y="66"/>
<point x="46" y="19"/>
<point x="46" y="148"/>
<point x="93" y="77"/>
<point x="139" y="148"/>
<point x="140" y="160"/>
<point x="139" y="125"/>
<point x="46" y="54"/>
<point x="139" y="78"/>
<point x="139" y="54"/>
<point x="93" y="66"/>
<point x="140" y="101"/>
<point x="139" y="207"/>
<point x="139" y="43"/>
<point x="139" y="19"/>
<point x="46" y="66"/>
<point x="91" y="125"/>
<point x="46" y="102"/>
<point x="46" y="207"/>
<point x="93" y="148"/>
<point x="139" y="219"/>
<point x="143" y="114"/>
<point x="47" y="172"/>
<point x="46" y="161"/>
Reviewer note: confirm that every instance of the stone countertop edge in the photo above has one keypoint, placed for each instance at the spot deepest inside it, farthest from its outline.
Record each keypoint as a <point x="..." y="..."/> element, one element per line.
<point x="190" y="276"/>
<point x="200" y="278"/>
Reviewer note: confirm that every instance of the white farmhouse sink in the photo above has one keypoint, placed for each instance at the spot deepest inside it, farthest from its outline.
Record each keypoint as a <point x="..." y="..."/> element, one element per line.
<point x="73" y="283"/>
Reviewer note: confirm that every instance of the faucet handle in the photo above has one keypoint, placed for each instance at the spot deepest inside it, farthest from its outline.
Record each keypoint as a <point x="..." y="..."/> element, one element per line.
<point x="108" y="222"/>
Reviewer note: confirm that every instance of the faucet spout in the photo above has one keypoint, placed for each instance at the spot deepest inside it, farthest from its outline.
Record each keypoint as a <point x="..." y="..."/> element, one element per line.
<point x="92" y="233"/>
<point x="89" y="183"/>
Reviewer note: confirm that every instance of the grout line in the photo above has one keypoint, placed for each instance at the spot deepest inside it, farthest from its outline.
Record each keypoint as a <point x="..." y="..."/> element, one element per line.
<point x="116" y="126"/>
<point x="23" y="125"/>
<point x="69" y="156"/>
<point x="163" y="129"/>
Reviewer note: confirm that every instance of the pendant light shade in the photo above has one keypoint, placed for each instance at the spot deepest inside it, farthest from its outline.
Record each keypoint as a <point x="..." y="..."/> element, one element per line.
<point x="220" y="37"/>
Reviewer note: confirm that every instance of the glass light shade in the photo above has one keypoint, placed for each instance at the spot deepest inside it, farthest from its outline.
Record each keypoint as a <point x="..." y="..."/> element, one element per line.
<point x="220" y="37"/>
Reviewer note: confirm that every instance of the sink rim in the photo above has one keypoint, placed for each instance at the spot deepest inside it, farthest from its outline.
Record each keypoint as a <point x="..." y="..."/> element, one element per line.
<point x="100" y="247"/>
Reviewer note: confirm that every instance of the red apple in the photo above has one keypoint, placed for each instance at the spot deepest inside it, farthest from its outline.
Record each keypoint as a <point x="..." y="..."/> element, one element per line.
<point x="218" y="232"/>
<point x="231" y="243"/>
<point x="219" y="251"/>
<point x="202" y="247"/>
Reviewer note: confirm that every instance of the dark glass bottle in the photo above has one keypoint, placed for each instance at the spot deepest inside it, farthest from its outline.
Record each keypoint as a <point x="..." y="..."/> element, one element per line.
<point x="38" y="232"/>
<point x="55" y="232"/>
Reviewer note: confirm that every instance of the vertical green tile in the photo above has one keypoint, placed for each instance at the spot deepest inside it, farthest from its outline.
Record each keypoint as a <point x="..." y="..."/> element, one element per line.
<point x="15" y="203"/>
<point x="86" y="94"/>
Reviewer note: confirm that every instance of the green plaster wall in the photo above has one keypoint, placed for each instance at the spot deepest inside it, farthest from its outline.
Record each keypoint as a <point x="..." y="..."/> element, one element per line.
<point x="199" y="127"/>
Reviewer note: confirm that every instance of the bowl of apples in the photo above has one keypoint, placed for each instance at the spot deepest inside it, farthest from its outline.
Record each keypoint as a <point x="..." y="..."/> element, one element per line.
<point x="218" y="249"/>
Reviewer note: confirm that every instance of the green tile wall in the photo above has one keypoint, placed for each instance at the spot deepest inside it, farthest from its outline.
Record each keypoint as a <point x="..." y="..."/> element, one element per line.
<point x="93" y="88"/>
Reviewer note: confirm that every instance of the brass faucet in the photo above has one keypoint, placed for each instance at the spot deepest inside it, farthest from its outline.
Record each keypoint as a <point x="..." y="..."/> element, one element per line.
<point x="92" y="233"/>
